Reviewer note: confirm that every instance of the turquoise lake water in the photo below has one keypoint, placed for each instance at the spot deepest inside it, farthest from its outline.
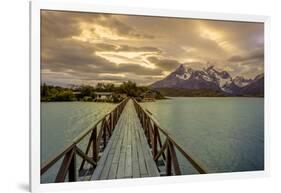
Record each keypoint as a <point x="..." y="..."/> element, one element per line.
<point x="222" y="134"/>
<point x="61" y="122"/>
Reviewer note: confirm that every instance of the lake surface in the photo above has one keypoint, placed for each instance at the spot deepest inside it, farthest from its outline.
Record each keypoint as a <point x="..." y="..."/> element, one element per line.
<point x="61" y="122"/>
<point x="222" y="134"/>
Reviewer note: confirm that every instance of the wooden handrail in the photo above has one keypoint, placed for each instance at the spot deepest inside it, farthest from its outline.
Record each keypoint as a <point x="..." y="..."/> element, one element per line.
<point x="101" y="129"/>
<point x="100" y="133"/>
<point x="151" y="129"/>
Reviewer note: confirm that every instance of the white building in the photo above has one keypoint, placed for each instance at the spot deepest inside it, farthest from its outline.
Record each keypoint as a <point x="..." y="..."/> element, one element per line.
<point x="103" y="95"/>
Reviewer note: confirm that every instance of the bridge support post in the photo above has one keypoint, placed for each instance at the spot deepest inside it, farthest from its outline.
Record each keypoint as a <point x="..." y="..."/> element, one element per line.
<point x="175" y="161"/>
<point x="112" y="121"/>
<point x="168" y="162"/>
<point x="148" y="132"/>
<point x="155" y="133"/>
<point x="104" y="134"/>
<point x="95" y="149"/>
<point x="72" y="168"/>
<point x="68" y="165"/>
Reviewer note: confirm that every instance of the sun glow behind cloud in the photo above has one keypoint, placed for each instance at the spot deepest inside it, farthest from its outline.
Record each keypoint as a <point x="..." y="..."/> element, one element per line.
<point x="128" y="57"/>
<point x="113" y="75"/>
<point x="95" y="32"/>
<point x="217" y="36"/>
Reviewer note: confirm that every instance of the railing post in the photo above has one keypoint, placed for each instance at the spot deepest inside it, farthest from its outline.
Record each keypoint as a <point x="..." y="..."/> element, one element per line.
<point x="68" y="165"/>
<point x="144" y="123"/>
<point x="104" y="134"/>
<point x="116" y="116"/>
<point x="155" y="133"/>
<point x="148" y="129"/>
<point x="141" y="116"/>
<point x="175" y="161"/>
<point x="168" y="162"/>
<point x="151" y="132"/>
<point x="160" y="144"/>
<point x="108" y="127"/>
<point x="95" y="149"/>
<point x="72" y="168"/>
<point x="87" y="149"/>
<point x="112" y="121"/>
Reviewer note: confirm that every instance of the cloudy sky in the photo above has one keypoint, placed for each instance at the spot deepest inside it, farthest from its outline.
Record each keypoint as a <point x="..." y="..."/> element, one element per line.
<point x="85" y="48"/>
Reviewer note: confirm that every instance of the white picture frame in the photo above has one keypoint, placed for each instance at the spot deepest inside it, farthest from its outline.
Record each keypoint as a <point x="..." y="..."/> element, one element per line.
<point x="36" y="6"/>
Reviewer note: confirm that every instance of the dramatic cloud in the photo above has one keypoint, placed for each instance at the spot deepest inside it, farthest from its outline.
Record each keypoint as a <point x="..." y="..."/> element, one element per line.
<point x="165" y="64"/>
<point x="257" y="54"/>
<point x="86" y="48"/>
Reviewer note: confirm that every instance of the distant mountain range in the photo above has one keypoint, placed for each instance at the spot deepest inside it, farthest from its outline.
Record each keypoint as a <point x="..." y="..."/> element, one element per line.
<point x="208" y="82"/>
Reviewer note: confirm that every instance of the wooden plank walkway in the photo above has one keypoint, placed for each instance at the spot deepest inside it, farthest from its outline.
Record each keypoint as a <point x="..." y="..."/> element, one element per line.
<point x="127" y="154"/>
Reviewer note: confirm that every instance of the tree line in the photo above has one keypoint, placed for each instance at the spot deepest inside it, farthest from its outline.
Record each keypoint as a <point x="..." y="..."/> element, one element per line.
<point x="88" y="93"/>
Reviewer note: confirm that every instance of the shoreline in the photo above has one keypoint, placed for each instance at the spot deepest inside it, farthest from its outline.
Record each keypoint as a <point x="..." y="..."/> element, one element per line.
<point x="166" y="98"/>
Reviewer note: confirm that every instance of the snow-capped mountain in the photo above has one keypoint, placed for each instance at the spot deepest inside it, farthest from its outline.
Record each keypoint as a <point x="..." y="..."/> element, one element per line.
<point x="256" y="86"/>
<point x="186" y="78"/>
<point x="209" y="78"/>
<point x="222" y="79"/>
<point x="241" y="81"/>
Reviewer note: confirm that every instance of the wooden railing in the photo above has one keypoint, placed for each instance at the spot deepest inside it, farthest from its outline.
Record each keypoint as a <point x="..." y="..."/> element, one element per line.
<point x="99" y="137"/>
<point x="152" y="131"/>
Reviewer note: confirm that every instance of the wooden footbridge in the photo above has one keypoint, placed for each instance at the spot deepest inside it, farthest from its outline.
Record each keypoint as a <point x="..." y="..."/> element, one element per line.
<point x="125" y="143"/>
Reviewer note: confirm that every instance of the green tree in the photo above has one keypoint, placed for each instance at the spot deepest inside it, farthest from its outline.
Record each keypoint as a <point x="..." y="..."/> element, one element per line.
<point x="130" y="88"/>
<point x="87" y="91"/>
<point x="100" y="87"/>
<point x="66" y="95"/>
<point x="109" y="87"/>
<point x="45" y="90"/>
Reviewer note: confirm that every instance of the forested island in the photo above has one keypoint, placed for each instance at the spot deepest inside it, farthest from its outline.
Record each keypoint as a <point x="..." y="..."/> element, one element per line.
<point x="100" y="93"/>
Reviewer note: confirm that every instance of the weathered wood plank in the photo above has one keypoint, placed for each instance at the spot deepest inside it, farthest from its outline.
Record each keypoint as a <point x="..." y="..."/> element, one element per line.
<point x="150" y="164"/>
<point x="101" y="162"/>
<point x="128" y="162"/>
<point x="113" y="170"/>
<point x="116" y="138"/>
<point x="135" y="161"/>
<point x="108" y="163"/>
<point x="106" y="157"/>
<point x="121" y="163"/>
<point x="121" y="166"/>
<point x="141" y="159"/>
<point x="127" y="154"/>
<point x="128" y="168"/>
